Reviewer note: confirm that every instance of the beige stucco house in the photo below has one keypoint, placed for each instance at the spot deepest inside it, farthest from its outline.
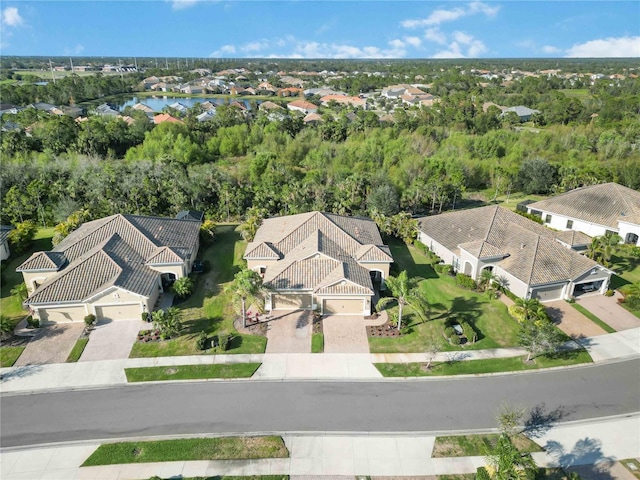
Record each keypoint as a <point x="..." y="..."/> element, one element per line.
<point x="532" y="260"/>
<point x="4" y="241"/>
<point x="114" y="268"/>
<point x="320" y="261"/>
<point x="594" y="210"/>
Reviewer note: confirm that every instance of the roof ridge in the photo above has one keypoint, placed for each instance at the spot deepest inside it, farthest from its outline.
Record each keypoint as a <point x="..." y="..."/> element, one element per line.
<point x="335" y="225"/>
<point x="629" y="206"/>
<point x="533" y="257"/>
<point x="495" y="214"/>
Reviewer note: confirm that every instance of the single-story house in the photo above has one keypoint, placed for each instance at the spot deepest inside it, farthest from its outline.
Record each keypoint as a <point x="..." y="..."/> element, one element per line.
<point x="523" y="113"/>
<point x="595" y="210"/>
<point x="4" y="241"/>
<point x="114" y="268"/>
<point x="532" y="261"/>
<point x="302" y="106"/>
<point x="320" y="261"/>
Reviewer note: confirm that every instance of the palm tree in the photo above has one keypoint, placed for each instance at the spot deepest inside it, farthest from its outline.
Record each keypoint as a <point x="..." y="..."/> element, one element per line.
<point x="247" y="288"/>
<point x="531" y="309"/>
<point x="6" y="326"/>
<point x="509" y="463"/>
<point x="20" y="291"/>
<point x="487" y="277"/>
<point x="405" y="291"/>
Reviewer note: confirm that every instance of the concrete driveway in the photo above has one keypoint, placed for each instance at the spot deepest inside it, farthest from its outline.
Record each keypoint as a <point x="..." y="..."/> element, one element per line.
<point x="571" y="321"/>
<point x="345" y="334"/>
<point x="289" y="332"/>
<point x="52" y="344"/>
<point x="112" y="340"/>
<point x="608" y="310"/>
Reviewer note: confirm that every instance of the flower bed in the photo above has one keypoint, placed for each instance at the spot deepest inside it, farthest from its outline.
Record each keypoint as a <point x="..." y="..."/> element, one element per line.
<point x="386" y="330"/>
<point x="149" y="336"/>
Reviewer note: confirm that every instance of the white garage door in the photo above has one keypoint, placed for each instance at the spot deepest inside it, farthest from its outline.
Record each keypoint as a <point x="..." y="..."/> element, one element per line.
<point x="62" y="315"/>
<point x="545" y="294"/>
<point x="125" y="311"/>
<point x="337" y="306"/>
<point x="295" y="301"/>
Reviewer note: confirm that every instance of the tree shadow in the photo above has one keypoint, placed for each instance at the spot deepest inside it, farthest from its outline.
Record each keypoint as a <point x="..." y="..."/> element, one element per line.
<point x="196" y="325"/>
<point x="541" y="419"/>
<point x="20" y="372"/>
<point x="555" y="314"/>
<point x="585" y="458"/>
<point x="403" y="260"/>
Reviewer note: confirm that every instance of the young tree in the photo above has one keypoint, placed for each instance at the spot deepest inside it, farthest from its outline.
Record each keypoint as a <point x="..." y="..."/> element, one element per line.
<point x="21" y="236"/>
<point x="531" y="309"/>
<point x="183" y="287"/>
<point x="539" y="338"/>
<point x="167" y="322"/>
<point x="247" y="289"/>
<point x="207" y="232"/>
<point x="254" y="219"/>
<point x="405" y="291"/>
<point x="508" y="462"/>
<point x="6" y="326"/>
<point x="432" y="348"/>
<point x="20" y="291"/>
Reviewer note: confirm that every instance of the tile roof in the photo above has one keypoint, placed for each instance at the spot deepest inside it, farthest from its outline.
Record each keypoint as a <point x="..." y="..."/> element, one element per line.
<point x="573" y="238"/>
<point x="319" y="250"/>
<point x="43" y="261"/>
<point x="4" y="232"/>
<point x="602" y="204"/>
<point x="530" y="251"/>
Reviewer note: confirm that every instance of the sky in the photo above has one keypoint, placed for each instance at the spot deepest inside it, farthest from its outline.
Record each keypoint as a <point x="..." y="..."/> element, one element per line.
<point x="321" y="29"/>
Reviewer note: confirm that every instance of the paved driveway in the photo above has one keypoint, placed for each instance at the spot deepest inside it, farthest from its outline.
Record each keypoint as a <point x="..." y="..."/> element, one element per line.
<point x="289" y="332"/>
<point x="345" y="334"/>
<point x="608" y="310"/>
<point x="52" y="344"/>
<point x="112" y="340"/>
<point x="571" y="321"/>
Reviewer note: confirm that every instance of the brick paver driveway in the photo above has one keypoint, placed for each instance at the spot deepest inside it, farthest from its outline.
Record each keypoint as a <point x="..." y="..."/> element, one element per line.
<point x="345" y="334"/>
<point x="571" y="321"/>
<point x="112" y="340"/>
<point x="289" y="332"/>
<point x="608" y="310"/>
<point x="52" y="344"/>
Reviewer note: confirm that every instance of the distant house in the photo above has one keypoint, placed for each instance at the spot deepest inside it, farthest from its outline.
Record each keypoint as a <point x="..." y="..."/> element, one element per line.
<point x="165" y="117"/>
<point x="533" y="261"/>
<point x="524" y="113"/>
<point x="179" y="107"/>
<point x="190" y="215"/>
<point x="191" y="89"/>
<point x="289" y="92"/>
<point x="206" y="115"/>
<point x="208" y="105"/>
<point x="594" y="210"/>
<point x="4" y="241"/>
<point x="148" y="82"/>
<point x="9" y="108"/>
<point x="312" y="119"/>
<point x="143" y="108"/>
<point x="105" y="110"/>
<point x="344" y="100"/>
<point x="302" y="106"/>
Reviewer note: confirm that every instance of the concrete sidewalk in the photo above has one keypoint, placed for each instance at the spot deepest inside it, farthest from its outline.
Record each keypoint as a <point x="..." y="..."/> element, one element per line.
<point x="608" y="440"/>
<point x="326" y="366"/>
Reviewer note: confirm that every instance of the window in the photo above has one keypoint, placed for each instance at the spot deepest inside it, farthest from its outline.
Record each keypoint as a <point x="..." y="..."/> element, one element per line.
<point x="547" y="219"/>
<point x="569" y="223"/>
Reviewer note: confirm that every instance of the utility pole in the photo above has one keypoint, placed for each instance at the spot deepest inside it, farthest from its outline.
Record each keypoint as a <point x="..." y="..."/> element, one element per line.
<point x="166" y="63"/>
<point x="72" y="74"/>
<point x="52" y="74"/>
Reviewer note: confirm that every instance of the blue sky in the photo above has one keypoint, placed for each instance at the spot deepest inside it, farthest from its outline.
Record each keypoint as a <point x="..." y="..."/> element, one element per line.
<point x="321" y="29"/>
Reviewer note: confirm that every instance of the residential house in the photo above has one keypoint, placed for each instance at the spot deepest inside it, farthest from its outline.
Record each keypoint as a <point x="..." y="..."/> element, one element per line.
<point x="320" y="261"/>
<point x="206" y="115"/>
<point x="530" y="260"/>
<point x="178" y="107"/>
<point x="344" y="100"/>
<point x="4" y="241"/>
<point x="594" y="210"/>
<point x="148" y="82"/>
<point x="191" y="89"/>
<point x="302" y="106"/>
<point x="165" y="117"/>
<point x="143" y="108"/>
<point x="105" y="110"/>
<point x="312" y="119"/>
<point x="289" y="92"/>
<point x="524" y="113"/>
<point x="114" y="268"/>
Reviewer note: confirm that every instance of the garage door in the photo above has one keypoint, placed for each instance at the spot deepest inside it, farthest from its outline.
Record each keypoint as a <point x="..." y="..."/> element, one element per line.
<point x="290" y="302"/>
<point x="61" y="315"/>
<point x="125" y="311"/>
<point x="545" y="294"/>
<point x="343" y="306"/>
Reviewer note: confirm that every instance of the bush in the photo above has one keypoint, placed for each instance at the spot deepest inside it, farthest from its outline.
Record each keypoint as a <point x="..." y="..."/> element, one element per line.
<point x="516" y="312"/>
<point x="443" y="269"/>
<point x="469" y="332"/>
<point x="454" y="339"/>
<point x="183" y="287"/>
<point x="633" y="302"/>
<point x="202" y="341"/>
<point x="226" y="341"/>
<point x="465" y="281"/>
<point x="146" y="316"/>
<point x="33" y="322"/>
<point x="482" y="474"/>
<point x="449" y="331"/>
<point x="20" y="237"/>
<point x="90" y="319"/>
<point x="609" y="293"/>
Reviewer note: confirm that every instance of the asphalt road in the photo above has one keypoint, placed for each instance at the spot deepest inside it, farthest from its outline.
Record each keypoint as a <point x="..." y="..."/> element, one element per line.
<point x="229" y="407"/>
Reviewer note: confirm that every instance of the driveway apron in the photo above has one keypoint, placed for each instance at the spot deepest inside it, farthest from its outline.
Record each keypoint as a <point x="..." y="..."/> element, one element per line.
<point x="112" y="340"/>
<point x="345" y="334"/>
<point x="571" y="321"/>
<point x="608" y="310"/>
<point x="52" y="344"/>
<point x="289" y="332"/>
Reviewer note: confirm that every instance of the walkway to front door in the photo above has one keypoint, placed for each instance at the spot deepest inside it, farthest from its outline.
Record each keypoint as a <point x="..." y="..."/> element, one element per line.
<point x="289" y="331"/>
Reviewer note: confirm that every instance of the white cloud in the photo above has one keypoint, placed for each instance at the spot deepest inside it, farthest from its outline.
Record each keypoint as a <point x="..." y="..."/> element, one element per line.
<point x="607" y="47"/>
<point x="441" y="16"/>
<point x="435" y="35"/>
<point x="255" y="46"/>
<point x="462" y="41"/>
<point x="452" y="52"/>
<point x="397" y="43"/>
<point x="462" y="37"/>
<point x="11" y="17"/>
<point x="550" y="49"/>
<point x="413" y="41"/>
<point x="224" y="50"/>
<point x="77" y="50"/>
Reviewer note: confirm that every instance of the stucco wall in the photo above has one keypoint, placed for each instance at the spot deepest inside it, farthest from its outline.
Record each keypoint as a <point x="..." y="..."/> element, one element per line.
<point x="177" y="270"/>
<point x="559" y="222"/>
<point x="4" y="251"/>
<point x="382" y="267"/>
<point x="444" y="253"/>
<point x="515" y="285"/>
<point x="254" y="264"/>
<point x="626" y="228"/>
<point x="40" y="277"/>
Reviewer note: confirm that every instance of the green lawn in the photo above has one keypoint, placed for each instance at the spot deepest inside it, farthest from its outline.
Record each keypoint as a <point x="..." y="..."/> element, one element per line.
<point x="471" y="367"/>
<point x="10" y="305"/>
<point x="191" y="372"/>
<point x="317" y="343"/>
<point x="229" y="448"/>
<point x="209" y="307"/>
<point x="77" y="350"/>
<point x="593" y="318"/>
<point x="9" y="355"/>
<point x="495" y="326"/>
<point x="626" y="266"/>
<point x="477" y="445"/>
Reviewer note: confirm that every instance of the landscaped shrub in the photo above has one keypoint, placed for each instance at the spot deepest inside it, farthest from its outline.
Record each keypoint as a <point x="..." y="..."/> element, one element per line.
<point x="90" y="319"/>
<point x="516" y="312"/>
<point x="33" y="322"/>
<point x="469" y="332"/>
<point x="609" y="293"/>
<point x="482" y="474"/>
<point x="448" y="331"/>
<point x="633" y="302"/>
<point x="226" y="341"/>
<point x="443" y="269"/>
<point x="183" y="287"/>
<point x="146" y="316"/>
<point x="201" y="342"/>
<point x="465" y="281"/>
<point x="454" y="339"/>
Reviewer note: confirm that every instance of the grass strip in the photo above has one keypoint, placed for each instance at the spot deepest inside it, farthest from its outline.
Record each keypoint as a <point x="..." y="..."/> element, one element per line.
<point x="317" y="343"/>
<point x="470" y="367"/>
<point x="477" y="445"/>
<point x="228" y="448"/>
<point x="593" y="318"/>
<point x="9" y="355"/>
<point x="191" y="372"/>
<point x="77" y="350"/>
